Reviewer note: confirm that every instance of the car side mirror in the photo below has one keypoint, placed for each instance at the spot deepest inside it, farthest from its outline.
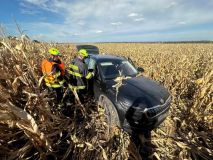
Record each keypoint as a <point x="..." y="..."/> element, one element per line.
<point x="140" y="69"/>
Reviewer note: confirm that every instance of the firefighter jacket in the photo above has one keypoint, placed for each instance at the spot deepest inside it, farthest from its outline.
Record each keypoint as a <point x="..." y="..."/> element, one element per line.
<point x="79" y="73"/>
<point x="53" y="72"/>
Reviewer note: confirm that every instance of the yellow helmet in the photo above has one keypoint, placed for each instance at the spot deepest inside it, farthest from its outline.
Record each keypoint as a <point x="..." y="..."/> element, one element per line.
<point x="83" y="53"/>
<point x="54" y="51"/>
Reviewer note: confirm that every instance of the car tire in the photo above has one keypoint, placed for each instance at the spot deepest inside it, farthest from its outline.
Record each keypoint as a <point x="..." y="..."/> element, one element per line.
<point x="110" y="112"/>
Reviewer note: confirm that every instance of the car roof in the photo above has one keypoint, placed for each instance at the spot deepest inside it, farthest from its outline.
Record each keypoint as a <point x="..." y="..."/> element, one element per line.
<point x="106" y="57"/>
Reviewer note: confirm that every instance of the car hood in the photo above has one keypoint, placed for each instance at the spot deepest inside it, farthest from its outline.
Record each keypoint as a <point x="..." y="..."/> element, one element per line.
<point x="139" y="91"/>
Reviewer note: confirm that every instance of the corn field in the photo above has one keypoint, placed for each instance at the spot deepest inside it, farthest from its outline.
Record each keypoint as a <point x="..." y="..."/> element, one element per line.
<point x="32" y="128"/>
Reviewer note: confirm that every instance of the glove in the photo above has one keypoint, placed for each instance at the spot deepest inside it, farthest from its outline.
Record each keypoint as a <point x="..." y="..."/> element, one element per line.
<point x="93" y="74"/>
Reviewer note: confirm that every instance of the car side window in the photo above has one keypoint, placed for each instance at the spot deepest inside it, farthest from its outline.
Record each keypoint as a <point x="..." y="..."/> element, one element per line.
<point x="91" y="64"/>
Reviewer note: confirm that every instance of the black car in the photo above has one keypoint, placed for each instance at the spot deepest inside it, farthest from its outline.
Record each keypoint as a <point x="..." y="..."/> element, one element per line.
<point x="140" y="104"/>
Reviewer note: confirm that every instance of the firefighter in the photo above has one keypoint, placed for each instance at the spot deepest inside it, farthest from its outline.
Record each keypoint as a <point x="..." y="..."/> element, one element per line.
<point x="79" y="73"/>
<point x="53" y="70"/>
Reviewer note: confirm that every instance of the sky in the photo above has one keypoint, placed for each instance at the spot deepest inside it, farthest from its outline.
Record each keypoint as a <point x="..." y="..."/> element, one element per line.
<point x="109" y="20"/>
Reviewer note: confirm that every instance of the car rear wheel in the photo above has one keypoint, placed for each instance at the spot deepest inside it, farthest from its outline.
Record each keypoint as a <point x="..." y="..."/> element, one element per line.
<point x="110" y="112"/>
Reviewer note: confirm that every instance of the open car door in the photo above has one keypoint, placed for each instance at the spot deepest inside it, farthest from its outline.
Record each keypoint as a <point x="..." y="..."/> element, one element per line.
<point x="90" y="49"/>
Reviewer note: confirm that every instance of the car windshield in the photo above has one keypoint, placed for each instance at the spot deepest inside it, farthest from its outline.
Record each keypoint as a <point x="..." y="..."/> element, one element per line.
<point x="113" y="69"/>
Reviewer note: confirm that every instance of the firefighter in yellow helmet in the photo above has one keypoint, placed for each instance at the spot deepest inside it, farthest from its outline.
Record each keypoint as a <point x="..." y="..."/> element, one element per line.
<point x="53" y="70"/>
<point x="79" y="72"/>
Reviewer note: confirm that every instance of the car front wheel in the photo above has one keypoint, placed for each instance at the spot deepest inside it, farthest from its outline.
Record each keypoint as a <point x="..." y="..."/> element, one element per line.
<point x="110" y="112"/>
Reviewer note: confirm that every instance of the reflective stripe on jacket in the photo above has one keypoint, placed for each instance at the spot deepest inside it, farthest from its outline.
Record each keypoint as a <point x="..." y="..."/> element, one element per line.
<point x="78" y="69"/>
<point x="52" y="72"/>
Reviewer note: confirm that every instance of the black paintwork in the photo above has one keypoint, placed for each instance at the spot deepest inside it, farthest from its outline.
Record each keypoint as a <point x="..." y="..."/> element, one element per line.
<point x="90" y="48"/>
<point x="142" y="104"/>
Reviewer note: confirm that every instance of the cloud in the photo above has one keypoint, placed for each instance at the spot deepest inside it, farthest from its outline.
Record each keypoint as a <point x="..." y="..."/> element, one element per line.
<point x="133" y="14"/>
<point x="86" y="17"/>
<point x="172" y="4"/>
<point x="76" y="34"/>
<point x="49" y="5"/>
<point x="28" y="9"/>
<point x="81" y="23"/>
<point x="29" y="12"/>
<point x="98" y="31"/>
<point x="182" y="22"/>
<point x="36" y="2"/>
<point x="138" y="19"/>
<point x="116" y="23"/>
<point x="39" y="3"/>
